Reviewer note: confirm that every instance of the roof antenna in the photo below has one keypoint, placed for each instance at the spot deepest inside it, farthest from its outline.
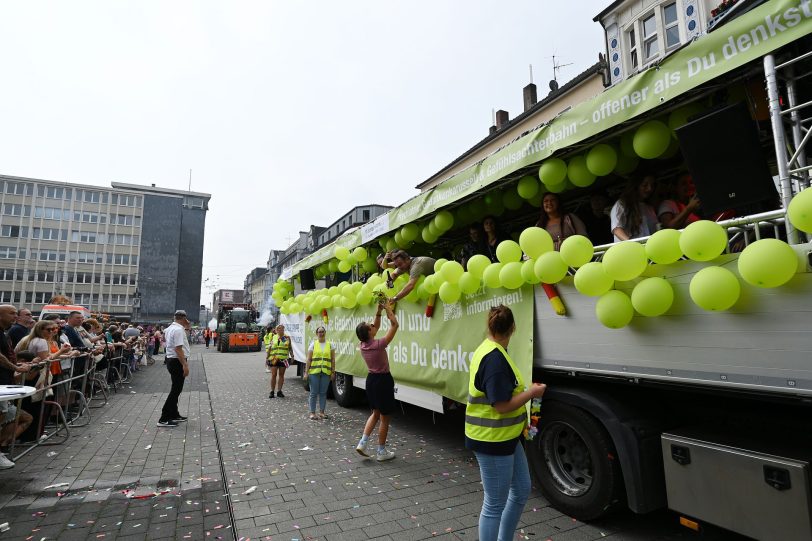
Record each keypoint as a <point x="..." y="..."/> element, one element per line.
<point x="556" y="66"/>
<point x="531" y="74"/>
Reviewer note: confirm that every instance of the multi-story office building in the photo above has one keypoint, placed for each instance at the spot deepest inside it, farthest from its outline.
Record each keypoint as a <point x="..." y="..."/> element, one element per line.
<point x="127" y="251"/>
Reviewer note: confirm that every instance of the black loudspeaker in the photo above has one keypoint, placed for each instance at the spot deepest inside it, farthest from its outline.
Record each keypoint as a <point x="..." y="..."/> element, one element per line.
<point x="722" y="152"/>
<point x="307" y="279"/>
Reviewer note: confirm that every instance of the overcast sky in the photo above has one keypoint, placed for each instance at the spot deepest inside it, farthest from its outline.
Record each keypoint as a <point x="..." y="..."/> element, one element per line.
<point x="288" y="113"/>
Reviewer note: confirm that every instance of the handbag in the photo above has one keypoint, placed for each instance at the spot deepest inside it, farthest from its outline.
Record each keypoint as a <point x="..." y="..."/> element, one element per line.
<point x="44" y="380"/>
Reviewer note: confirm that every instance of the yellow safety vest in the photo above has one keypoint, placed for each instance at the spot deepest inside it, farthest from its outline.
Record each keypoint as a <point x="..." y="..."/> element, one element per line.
<point x="267" y="339"/>
<point x="320" y="362"/>
<point x="482" y="421"/>
<point x="279" y="349"/>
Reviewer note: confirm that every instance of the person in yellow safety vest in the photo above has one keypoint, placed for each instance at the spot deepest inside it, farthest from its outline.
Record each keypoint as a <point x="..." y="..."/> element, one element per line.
<point x="279" y="356"/>
<point x="320" y="370"/>
<point x="495" y="419"/>
<point x="266" y="340"/>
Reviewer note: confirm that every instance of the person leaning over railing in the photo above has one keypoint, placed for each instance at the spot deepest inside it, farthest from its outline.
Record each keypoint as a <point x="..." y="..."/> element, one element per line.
<point x="9" y="368"/>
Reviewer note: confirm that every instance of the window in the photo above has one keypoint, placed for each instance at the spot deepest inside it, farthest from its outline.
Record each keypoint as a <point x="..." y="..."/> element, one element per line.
<point x="126" y="200"/>
<point x="13" y="231"/>
<point x="119" y="300"/>
<point x="366" y="215"/>
<point x="51" y="213"/>
<point x="10" y="296"/>
<point x="650" y="43"/>
<point x="632" y="49"/>
<point x="89" y="217"/>
<point x="50" y="233"/>
<point x="19" y="188"/>
<point x="54" y="192"/>
<point x="119" y="279"/>
<point x="194" y="202"/>
<point x="42" y="276"/>
<point x="8" y="252"/>
<point x="125" y="219"/>
<point x="9" y="274"/>
<point x="14" y="209"/>
<point x="47" y="255"/>
<point x="124" y="240"/>
<point x="40" y="297"/>
<point x="89" y="196"/>
<point x="122" y="259"/>
<point x="88" y="236"/>
<point x="671" y="25"/>
<point x="85" y="257"/>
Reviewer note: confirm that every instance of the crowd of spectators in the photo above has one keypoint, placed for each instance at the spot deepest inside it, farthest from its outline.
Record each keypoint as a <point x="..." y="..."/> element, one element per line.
<point x="66" y="360"/>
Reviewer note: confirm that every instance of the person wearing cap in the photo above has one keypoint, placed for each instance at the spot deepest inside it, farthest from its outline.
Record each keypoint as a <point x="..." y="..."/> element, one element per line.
<point x="177" y="363"/>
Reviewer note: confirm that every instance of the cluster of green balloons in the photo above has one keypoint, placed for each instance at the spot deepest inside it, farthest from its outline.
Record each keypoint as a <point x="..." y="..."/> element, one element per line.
<point x="765" y="263"/>
<point x="799" y="211"/>
<point x="652" y="139"/>
<point x="282" y="289"/>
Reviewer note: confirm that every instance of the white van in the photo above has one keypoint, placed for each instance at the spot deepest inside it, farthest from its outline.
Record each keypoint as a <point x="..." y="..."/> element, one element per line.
<point x="63" y="310"/>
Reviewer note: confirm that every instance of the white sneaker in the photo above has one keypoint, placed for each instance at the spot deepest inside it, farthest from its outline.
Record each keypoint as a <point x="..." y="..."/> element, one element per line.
<point x="383" y="456"/>
<point x="5" y="463"/>
<point x="362" y="449"/>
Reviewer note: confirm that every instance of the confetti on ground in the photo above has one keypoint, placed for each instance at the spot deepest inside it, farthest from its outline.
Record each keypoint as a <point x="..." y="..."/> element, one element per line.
<point x="56" y="485"/>
<point x="250" y="490"/>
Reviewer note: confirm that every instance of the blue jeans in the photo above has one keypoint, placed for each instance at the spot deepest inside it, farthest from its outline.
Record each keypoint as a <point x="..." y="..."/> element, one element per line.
<point x="506" y="481"/>
<point x="318" y="389"/>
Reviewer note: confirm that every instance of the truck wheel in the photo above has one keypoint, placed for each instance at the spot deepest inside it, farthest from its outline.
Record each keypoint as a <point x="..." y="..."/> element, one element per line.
<point x="224" y="342"/>
<point x="345" y="394"/>
<point x="574" y="462"/>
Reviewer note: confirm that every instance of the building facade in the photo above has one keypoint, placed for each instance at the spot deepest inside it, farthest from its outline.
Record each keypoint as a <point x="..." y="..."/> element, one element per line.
<point x="354" y="218"/>
<point x="128" y="251"/>
<point x="254" y="286"/>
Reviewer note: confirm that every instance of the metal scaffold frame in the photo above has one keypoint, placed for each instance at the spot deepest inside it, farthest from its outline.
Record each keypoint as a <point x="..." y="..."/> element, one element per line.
<point x="793" y="171"/>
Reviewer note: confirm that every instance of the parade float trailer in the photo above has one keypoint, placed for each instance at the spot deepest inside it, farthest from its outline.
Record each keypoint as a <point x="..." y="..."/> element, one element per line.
<point x="678" y="378"/>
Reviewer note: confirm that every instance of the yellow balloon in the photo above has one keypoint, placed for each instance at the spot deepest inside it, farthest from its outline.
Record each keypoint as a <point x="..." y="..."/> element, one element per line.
<point x="491" y="275"/>
<point x="663" y="246"/>
<point x="477" y="265"/>
<point x="652" y="297"/>
<point x="576" y="251"/>
<point x="592" y="280"/>
<point x="614" y="309"/>
<point x="469" y="283"/>
<point x="449" y="293"/>
<point x="714" y="288"/>
<point x="625" y="261"/>
<point x="768" y="263"/>
<point x="341" y="252"/>
<point x="535" y="241"/>
<point x="703" y="240"/>
<point x="529" y="272"/>
<point x="510" y="276"/>
<point x="551" y="267"/>
<point x="799" y="211"/>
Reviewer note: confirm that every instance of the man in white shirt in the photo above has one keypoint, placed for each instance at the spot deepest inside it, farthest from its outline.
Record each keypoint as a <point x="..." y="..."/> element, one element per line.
<point x="177" y="355"/>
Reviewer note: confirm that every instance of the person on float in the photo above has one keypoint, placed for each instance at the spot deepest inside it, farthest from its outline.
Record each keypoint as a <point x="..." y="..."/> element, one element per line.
<point x="557" y="222"/>
<point x="677" y="211"/>
<point x="631" y="215"/>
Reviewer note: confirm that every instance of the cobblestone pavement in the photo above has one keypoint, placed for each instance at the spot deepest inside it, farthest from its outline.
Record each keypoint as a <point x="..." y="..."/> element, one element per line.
<point x="286" y="477"/>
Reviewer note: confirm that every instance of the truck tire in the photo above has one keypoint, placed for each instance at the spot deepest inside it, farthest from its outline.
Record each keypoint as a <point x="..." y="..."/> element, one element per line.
<point x="345" y="394"/>
<point x="575" y="463"/>
<point x="224" y="343"/>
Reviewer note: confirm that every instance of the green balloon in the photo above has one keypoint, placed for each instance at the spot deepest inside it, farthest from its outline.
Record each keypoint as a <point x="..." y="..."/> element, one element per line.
<point x="714" y="288"/>
<point x="768" y="263"/>
<point x="553" y="171"/>
<point x="679" y="117"/>
<point x="428" y="236"/>
<point x="535" y="241"/>
<point x="469" y="283"/>
<point x="510" y="276"/>
<point x="342" y="253"/>
<point x="663" y="246"/>
<point x="491" y="275"/>
<point x="652" y="297"/>
<point x="360" y="254"/>
<point x="625" y="261"/>
<point x="432" y="284"/>
<point x="409" y="232"/>
<point x="349" y="302"/>
<point x="651" y="139"/>
<point x="614" y="309"/>
<point x="626" y="164"/>
<point x="578" y="172"/>
<point x="799" y="211"/>
<point x="333" y="265"/>
<point x="450" y="293"/>
<point x="344" y="266"/>
<point x="477" y="264"/>
<point x="527" y="187"/>
<point x="592" y="280"/>
<point x="356" y="287"/>
<point x="391" y="245"/>
<point x="444" y="220"/>
<point x="494" y="203"/>
<point x="512" y="200"/>
<point x="557" y="188"/>
<point x="374" y="280"/>
<point x="550" y="267"/>
<point x="369" y="265"/>
<point x="577" y="251"/>
<point x="451" y="272"/>
<point x="627" y="145"/>
<point x="671" y="151"/>
<point x="438" y="264"/>
<point x="478" y="208"/>
<point x="508" y="251"/>
<point x="382" y="242"/>
<point x="529" y="272"/>
<point x="601" y="159"/>
<point x="535" y="201"/>
<point x="703" y="240"/>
